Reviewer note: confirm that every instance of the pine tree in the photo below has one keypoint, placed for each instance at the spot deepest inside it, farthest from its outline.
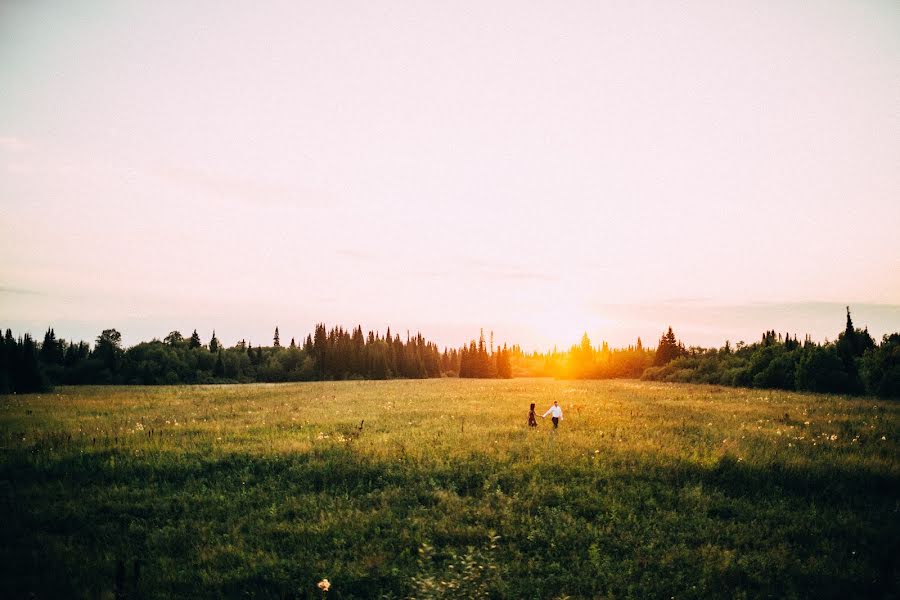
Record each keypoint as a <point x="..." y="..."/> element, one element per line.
<point x="5" y="368"/>
<point x="29" y="375"/>
<point x="50" y="352"/>
<point x="194" y="342"/>
<point x="504" y="369"/>
<point x="320" y="349"/>
<point x="669" y="348"/>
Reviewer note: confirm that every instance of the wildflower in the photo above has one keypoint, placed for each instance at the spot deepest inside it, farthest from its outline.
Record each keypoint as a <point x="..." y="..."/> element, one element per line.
<point x="806" y="422"/>
<point x="882" y="437"/>
<point x="833" y="437"/>
<point x="324" y="585"/>
<point x="139" y="426"/>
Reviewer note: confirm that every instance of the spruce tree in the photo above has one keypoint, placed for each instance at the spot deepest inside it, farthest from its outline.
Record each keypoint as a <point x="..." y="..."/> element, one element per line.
<point x="214" y="343"/>
<point x="194" y="342"/>
<point x="30" y="375"/>
<point x="5" y="368"/>
<point x="669" y="348"/>
<point x="276" y="341"/>
<point x="51" y="351"/>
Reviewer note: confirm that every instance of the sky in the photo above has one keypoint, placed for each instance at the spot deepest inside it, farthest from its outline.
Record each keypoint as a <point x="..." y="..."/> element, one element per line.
<point x="539" y="169"/>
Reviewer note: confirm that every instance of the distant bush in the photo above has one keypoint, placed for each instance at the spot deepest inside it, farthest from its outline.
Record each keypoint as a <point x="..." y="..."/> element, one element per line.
<point x="821" y="370"/>
<point x="880" y="368"/>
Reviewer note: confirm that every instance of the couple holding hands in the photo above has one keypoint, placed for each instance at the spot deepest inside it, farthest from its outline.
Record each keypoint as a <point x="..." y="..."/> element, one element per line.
<point x="554" y="411"/>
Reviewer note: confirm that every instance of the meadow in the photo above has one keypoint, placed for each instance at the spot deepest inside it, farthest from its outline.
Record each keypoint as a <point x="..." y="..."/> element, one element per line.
<point x="437" y="489"/>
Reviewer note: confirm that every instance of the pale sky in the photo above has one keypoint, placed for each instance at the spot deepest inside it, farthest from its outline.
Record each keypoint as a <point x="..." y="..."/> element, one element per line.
<point x="536" y="168"/>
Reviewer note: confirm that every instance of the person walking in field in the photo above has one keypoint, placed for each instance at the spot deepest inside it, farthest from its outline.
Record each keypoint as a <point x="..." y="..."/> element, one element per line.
<point x="532" y="417"/>
<point x="555" y="413"/>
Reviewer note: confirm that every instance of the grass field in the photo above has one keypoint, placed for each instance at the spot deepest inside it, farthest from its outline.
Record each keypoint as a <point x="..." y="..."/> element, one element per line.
<point x="260" y="491"/>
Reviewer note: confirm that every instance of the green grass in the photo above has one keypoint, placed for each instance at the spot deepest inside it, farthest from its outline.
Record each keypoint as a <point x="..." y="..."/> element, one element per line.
<point x="648" y="490"/>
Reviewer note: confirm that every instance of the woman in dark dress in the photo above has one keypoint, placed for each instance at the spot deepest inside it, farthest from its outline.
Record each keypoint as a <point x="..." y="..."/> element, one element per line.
<point x="532" y="418"/>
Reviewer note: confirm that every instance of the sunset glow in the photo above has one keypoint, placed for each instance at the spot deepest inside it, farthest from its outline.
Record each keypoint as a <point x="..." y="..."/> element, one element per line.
<point x="536" y="170"/>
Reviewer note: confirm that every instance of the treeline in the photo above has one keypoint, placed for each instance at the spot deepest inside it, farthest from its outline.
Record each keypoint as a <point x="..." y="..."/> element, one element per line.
<point x="584" y="361"/>
<point x="326" y="354"/>
<point x="853" y="364"/>
<point x="484" y="362"/>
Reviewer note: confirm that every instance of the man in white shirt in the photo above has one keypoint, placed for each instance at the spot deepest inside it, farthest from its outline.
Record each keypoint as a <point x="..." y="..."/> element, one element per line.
<point x="556" y="414"/>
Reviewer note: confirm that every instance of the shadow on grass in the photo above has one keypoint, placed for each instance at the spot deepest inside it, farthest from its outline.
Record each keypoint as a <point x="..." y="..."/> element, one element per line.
<point x="240" y="525"/>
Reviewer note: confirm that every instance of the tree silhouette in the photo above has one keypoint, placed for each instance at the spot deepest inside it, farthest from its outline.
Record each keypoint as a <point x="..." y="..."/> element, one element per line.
<point x="668" y="349"/>
<point x="194" y="342"/>
<point x="174" y="338"/>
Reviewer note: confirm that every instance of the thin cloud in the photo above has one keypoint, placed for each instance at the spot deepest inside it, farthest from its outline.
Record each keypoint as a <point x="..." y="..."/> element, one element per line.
<point x="12" y="144"/>
<point x="19" y="291"/>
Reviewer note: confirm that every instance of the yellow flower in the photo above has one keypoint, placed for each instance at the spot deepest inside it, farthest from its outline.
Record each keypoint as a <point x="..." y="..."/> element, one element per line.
<point x="324" y="585"/>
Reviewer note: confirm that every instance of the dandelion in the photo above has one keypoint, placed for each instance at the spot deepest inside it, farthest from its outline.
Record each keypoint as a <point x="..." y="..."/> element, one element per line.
<point x="324" y="585"/>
